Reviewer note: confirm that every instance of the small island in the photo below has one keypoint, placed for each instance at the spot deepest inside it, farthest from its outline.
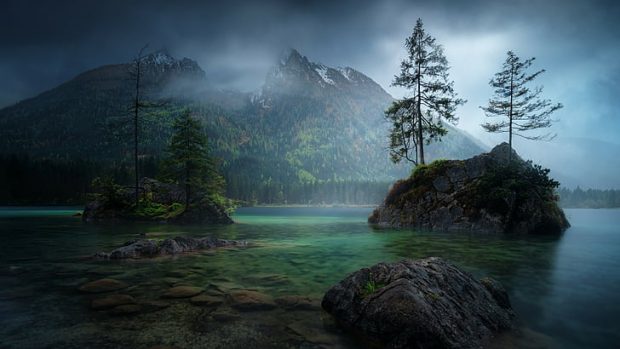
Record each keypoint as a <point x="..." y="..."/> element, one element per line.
<point x="495" y="192"/>
<point x="190" y="192"/>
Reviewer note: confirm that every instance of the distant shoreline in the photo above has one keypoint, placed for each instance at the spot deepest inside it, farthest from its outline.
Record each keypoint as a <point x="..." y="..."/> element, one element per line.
<point x="310" y="206"/>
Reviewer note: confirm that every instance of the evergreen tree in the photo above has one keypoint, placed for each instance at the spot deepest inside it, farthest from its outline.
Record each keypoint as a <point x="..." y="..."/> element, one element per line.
<point x="513" y="100"/>
<point x="417" y="119"/>
<point x="189" y="163"/>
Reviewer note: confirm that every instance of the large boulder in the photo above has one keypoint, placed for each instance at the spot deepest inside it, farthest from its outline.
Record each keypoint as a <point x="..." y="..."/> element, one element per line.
<point x="495" y="192"/>
<point x="147" y="248"/>
<point x="428" y="303"/>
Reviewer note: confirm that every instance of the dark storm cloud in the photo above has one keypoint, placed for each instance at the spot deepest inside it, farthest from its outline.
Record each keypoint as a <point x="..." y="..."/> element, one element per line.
<point x="43" y="43"/>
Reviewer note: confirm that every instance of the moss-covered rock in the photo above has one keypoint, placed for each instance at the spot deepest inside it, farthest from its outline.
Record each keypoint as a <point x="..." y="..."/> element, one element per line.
<point x="427" y="303"/>
<point x="491" y="192"/>
<point x="159" y="202"/>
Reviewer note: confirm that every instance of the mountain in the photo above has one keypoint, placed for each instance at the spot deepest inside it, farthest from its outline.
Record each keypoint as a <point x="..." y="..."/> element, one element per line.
<point x="309" y="124"/>
<point x="74" y="118"/>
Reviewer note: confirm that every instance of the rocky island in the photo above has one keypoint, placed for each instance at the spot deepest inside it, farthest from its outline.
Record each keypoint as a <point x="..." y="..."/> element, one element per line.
<point x="495" y="192"/>
<point x="160" y="202"/>
<point x="428" y="303"/>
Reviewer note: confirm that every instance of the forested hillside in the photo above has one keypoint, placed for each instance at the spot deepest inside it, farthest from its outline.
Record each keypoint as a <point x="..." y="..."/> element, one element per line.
<point x="312" y="134"/>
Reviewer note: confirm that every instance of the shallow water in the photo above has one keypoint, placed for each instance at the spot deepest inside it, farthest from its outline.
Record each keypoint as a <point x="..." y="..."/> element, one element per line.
<point x="566" y="290"/>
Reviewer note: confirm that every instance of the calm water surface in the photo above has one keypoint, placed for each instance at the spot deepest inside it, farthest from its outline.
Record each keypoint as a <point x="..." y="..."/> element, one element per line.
<point x="566" y="290"/>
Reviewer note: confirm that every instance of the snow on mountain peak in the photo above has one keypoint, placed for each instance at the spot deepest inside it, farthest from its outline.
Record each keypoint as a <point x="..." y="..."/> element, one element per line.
<point x="160" y="57"/>
<point x="346" y="72"/>
<point x="322" y="71"/>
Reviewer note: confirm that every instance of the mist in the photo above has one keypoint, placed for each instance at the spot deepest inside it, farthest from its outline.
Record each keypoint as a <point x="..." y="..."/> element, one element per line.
<point x="236" y="43"/>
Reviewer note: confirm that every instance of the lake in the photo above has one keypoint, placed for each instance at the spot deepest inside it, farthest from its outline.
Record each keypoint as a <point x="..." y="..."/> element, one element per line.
<point x="565" y="290"/>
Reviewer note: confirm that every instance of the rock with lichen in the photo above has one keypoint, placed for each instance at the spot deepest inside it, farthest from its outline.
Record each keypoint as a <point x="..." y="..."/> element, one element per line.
<point x="428" y="303"/>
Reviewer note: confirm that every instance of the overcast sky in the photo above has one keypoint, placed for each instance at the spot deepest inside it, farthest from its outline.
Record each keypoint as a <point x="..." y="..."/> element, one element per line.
<point x="44" y="43"/>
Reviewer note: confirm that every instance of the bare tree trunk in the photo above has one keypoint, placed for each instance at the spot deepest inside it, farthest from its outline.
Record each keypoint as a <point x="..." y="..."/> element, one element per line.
<point x="187" y="171"/>
<point x="510" y="114"/>
<point x="135" y="125"/>
<point x="419" y="107"/>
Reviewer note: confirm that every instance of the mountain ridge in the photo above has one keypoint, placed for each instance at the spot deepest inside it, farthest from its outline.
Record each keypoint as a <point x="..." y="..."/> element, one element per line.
<point x="308" y="122"/>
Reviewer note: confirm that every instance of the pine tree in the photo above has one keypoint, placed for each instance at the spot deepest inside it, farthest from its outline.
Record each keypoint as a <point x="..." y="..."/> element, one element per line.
<point x="417" y="120"/>
<point x="189" y="163"/>
<point x="521" y="106"/>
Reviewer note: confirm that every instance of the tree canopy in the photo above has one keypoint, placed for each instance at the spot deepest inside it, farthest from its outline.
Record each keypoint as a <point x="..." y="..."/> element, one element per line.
<point x="188" y="162"/>
<point x="521" y="107"/>
<point x="418" y="119"/>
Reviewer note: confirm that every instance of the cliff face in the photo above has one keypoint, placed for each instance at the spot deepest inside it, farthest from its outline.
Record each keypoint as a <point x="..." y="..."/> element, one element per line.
<point x="486" y="193"/>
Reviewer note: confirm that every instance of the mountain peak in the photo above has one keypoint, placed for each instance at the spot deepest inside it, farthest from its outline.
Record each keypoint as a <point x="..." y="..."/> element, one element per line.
<point x="291" y="56"/>
<point x="159" y="57"/>
<point x="295" y="73"/>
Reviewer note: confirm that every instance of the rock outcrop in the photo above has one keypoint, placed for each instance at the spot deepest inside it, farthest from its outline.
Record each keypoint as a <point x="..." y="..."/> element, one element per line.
<point x="487" y="193"/>
<point x="163" y="205"/>
<point x="146" y="248"/>
<point x="428" y="303"/>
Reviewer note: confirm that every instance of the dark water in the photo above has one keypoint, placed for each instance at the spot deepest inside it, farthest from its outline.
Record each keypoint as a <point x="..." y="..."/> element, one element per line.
<point x="566" y="289"/>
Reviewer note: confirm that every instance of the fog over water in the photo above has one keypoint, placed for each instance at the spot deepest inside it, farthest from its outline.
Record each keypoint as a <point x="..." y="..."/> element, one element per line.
<point x="43" y="44"/>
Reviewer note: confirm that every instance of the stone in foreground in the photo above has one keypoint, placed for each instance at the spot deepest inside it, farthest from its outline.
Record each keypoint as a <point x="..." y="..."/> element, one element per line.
<point x="145" y="248"/>
<point x="487" y="193"/>
<point x="112" y="301"/>
<point x="102" y="285"/>
<point x="183" y="292"/>
<point x="247" y="300"/>
<point x="428" y="303"/>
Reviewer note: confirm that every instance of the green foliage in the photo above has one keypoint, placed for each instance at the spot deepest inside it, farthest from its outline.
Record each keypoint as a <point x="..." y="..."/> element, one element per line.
<point x="509" y="185"/>
<point x="521" y="107"/>
<point x="417" y="120"/>
<point x="109" y="192"/>
<point x="420" y="181"/>
<point x="229" y="205"/>
<point x="188" y="163"/>
<point x="428" y="169"/>
<point x="150" y="210"/>
<point x="371" y="286"/>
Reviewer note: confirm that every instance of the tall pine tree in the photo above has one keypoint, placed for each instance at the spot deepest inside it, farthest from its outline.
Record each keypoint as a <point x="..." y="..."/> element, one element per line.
<point x="417" y="120"/>
<point x="189" y="163"/>
<point x="521" y="107"/>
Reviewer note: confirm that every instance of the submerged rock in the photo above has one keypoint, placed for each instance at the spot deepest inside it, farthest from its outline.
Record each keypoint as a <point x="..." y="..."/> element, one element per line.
<point x="126" y="309"/>
<point x="142" y="248"/>
<point x="428" y="303"/>
<point x="246" y="300"/>
<point x="486" y="193"/>
<point x="102" y="285"/>
<point x="293" y="302"/>
<point x="206" y="300"/>
<point x="112" y="301"/>
<point x="183" y="292"/>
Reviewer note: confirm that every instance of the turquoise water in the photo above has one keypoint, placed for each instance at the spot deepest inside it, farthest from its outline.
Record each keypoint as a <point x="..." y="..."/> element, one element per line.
<point x="566" y="290"/>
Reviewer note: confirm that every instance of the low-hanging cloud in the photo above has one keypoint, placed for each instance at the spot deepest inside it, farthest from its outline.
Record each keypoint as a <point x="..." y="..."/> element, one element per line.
<point x="236" y="42"/>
